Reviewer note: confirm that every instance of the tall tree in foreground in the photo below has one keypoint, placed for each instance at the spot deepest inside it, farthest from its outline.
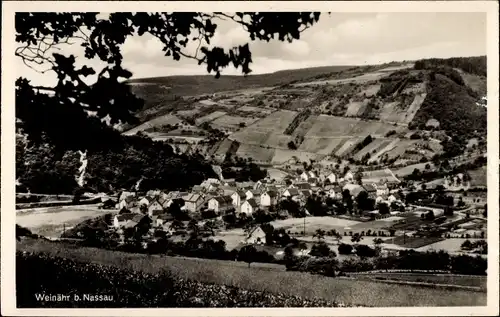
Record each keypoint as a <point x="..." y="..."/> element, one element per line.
<point x="61" y="112"/>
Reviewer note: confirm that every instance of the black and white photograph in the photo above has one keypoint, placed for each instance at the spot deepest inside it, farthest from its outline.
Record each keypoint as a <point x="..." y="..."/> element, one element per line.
<point x="260" y="158"/>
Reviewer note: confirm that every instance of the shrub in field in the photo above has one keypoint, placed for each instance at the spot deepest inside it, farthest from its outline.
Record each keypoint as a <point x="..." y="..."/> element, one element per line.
<point x="345" y="248"/>
<point x="43" y="274"/>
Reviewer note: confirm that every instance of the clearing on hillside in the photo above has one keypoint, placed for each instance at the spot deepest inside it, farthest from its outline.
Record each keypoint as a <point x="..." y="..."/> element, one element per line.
<point x="156" y="122"/>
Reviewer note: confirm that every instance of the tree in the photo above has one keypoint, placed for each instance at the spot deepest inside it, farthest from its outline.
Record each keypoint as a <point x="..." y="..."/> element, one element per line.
<point x="383" y="208"/>
<point x="321" y="250"/>
<point x="467" y="245"/>
<point x="247" y="254"/>
<point x="358" y="176"/>
<point x="41" y="113"/>
<point x="364" y="201"/>
<point x="356" y="238"/>
<point x="320" y="234"/>
<point x="345" y="248"/>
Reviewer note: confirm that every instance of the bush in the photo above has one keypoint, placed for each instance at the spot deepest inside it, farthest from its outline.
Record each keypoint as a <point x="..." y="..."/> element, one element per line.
<point x="365" y="251"/>
<point x="345" y="248"/>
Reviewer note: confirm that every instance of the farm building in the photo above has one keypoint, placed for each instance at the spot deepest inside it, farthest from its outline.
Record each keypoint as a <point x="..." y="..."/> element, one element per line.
<point x="155" y="208"/>
<point x="193" y="202"/>
<point x="127" y="203"/>
<point x="220" y="203"/>
<point x="238" y="197"/>
<point x="332" y="178"/>
<point x="253" y="193"/>
<point x="163" y="218"/>
<point x="249" y="206"/>
<point x="269" y="198"/>
<point x="145" y="201"/>
<point x="256" y="236"/>
<point x="291" y="192"/>
<point x="120" y="220"/>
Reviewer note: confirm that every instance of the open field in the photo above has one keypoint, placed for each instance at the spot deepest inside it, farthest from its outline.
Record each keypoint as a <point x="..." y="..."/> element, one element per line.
<point x="448" y="279"/>
<point x="50" y="222"/>
<point x="377" y="175"/>
<point x="365" y="293"/>
<point x="413" y="242"/>
<point x="450" y="245"/>
<point x="282" y="156"/>
<point x="156" y="122"/>
<point x="232" y="122"/>
<point x="313" y="223"/>
<point x="257" y="153"/>
<point x="357" y="79"/>
<point x="209" y="117"/>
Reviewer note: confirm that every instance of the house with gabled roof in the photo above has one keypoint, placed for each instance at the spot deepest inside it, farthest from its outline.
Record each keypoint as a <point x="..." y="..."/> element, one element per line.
<point x="155" y="208"/>
<point x="193" y="202"/>
<point x="146" y="201"/>
<point x="125" y="194"/>
<point x="120" y="220"/>
<point x="249" y="206"/>
<point x="163" y="218"/>
<point x="220" y="204"/>
<point x="127" y="203"/>
<point x="291" y="192"/>
<point x="302" y="186"/>
<point x="370" y="189"/>
<point x="253" y="193"/>
<point x="238" y="197"/>
<point x="269" y="198"/>
<point x="256" y="236"/>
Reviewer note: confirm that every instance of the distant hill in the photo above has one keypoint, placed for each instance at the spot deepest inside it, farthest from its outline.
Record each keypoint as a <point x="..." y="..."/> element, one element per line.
<point x="266" y="120"/>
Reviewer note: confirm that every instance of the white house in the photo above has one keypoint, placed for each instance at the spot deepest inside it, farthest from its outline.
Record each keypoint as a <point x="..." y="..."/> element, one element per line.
<point x="269" y="198"/>
<point x="127" y="203"/>
<point x="249" y="206"/>
<point x="120" y="220"/>
<point x="146" y="201"/>
<point x="163" y="218"/>
<point x="349" y="176"/>
<point x="253" y="193"/>
<point x="126" y="194"/>
<point x="382" y="189"/>
<point x="220" y="203"/>
<point x="304" y="176"/>
<point x="193" y="202"/>
<point x="155" y="208"/>
<point x="332" y="178"/>
<point x="291" y="192"/>
<point x="238" y="197"/>
<point x="256" y="236"/>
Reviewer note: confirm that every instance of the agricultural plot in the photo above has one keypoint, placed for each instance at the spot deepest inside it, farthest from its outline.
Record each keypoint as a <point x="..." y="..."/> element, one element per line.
<point x="313" y="223"/>
<point x="283" y="156"/>
<point x="224" y="147"/>
<point x="378" y="175"/>
<point x="320" y="145"/>
<point x="156" y="122"/>
<point x="357" y="80"/>
<point x="304" y="126"/>
<point x="255" y="152"/>
<point x="355" y="108"/>
<point x="328" y="126"/>
<point x="52" y="221"/>
<point x="393" y="112"/>
<point x="279" y="141"/>
<point x="260" y="131"/>
<point x="348" y="147"/>
<point x="400" y="148"/>
<point x="407" y="170"/>
<point x="254" y="109"/>
<point x="232" y="122"/>
<point x="414" y="107"/>
<point x="373" y="146"/>
<point x="210" y="117"/>
<point x="188" y="113"/>
<point x="413" y="242"/>
<point x="383" y="150"/>
<point x="370" y="91"/>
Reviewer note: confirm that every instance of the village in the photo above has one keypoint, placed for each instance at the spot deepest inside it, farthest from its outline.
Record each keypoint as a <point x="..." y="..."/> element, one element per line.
<point x="322" y="205"/>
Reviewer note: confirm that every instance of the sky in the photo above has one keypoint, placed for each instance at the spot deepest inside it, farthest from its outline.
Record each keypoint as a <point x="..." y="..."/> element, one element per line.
<point x="337" y="39"/>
